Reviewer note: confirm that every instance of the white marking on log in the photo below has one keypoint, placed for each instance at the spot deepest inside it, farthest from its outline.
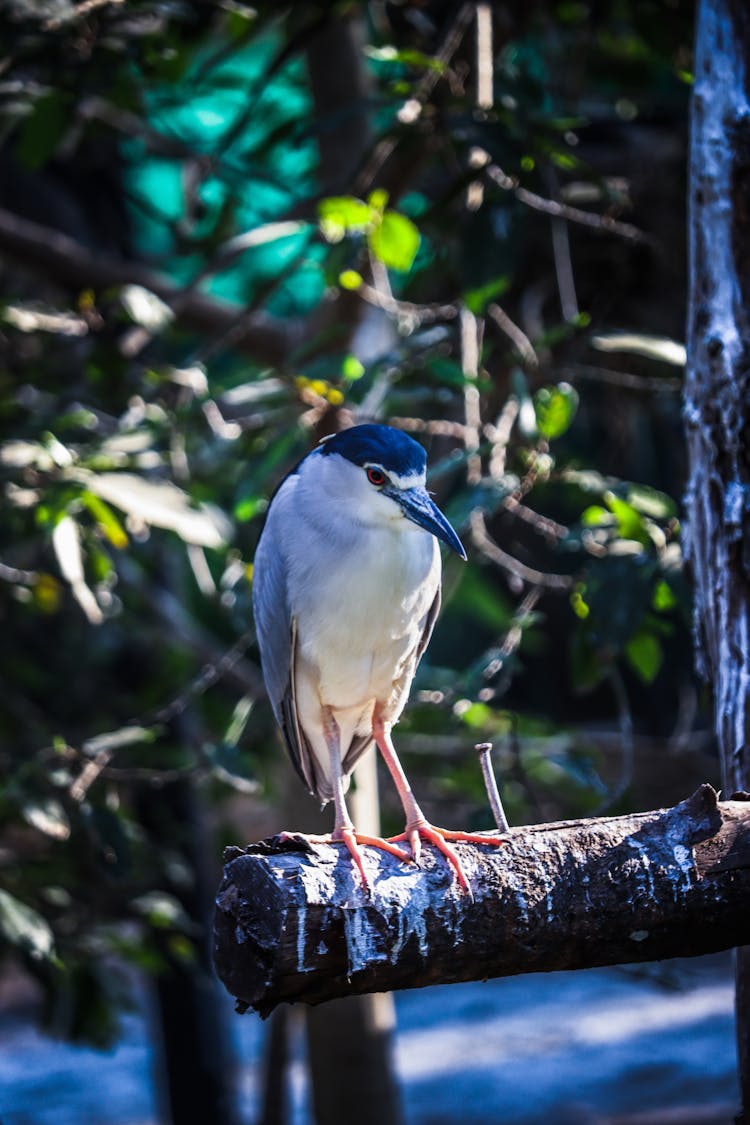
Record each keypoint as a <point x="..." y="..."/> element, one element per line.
<point x="639" y="935"/>
<point x="643" y="872"/>
<point x="684" y="860"/>
<point x="301" y="916"/>
<point x="361" y="949"/>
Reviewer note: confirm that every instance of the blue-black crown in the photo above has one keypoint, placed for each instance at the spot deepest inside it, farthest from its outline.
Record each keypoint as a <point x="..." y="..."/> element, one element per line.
<point x="381" y="445"/>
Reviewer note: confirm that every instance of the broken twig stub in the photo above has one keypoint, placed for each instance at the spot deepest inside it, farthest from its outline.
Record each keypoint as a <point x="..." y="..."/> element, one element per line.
<point x="294" y="923"/>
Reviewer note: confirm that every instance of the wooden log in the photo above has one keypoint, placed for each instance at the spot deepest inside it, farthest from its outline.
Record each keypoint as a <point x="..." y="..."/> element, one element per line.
<point x="294" y="923"/>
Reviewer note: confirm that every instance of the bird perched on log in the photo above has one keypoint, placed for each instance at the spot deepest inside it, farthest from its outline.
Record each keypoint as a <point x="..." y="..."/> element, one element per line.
<point x="346" y="589"/>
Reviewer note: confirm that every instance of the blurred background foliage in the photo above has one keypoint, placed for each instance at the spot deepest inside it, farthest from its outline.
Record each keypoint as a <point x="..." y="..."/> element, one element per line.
<point x="227" y="230"/>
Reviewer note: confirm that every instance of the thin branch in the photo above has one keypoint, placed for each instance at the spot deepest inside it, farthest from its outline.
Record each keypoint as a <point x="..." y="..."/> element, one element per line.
<point x="484" y="749"/>
<point x="80" y="11"/>
<point x="58" y="257"/>
<point x="439" y="427"/>
<point x="411" y="110"/>
<point x="499" y="435"/>
<point x="647" y="384"/>
<point x="549" y="528"/>
<point x="518" y="571"/>
<point x="604" y="224"/>
<point x="485" y="70"/>
<point x="471" y="330"/>
<point x="515" y="334"/>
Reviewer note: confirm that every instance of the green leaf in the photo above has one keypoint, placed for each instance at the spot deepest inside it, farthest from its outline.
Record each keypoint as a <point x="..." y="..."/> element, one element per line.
<point x="343" y="214"/>
<point x="350" y="279"/>
<point x="476" y="300"/>
<point x="555" y="409"/>
<point x="395" y="241"/>
<point x="48" y="816"/>
<point x="630" y="523"/>
<point x="408" y="56"/>
<point x="644" y="655"/>
<point x="651" y="502"/>
<point x="43" y="130"/>
<point x="596" y="516"/>
<point x="163" y="911"/>
<point x="248" y="507"/>
<point x="477" y="598"/>
<point x="24" y="927"/>
<point x="108" y="522"/>
<point x="352" y="368"/>
<point x="378" y="200"/>
<point x="664" y="597"/>
<point x="162" y="504"/>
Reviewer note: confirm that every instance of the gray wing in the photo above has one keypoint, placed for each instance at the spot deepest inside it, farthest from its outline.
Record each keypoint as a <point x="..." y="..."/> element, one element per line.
<point x="277" y="640"/>
<point x="429" y="625"/>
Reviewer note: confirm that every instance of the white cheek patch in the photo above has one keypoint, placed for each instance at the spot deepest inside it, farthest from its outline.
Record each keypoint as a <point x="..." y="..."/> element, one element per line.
<point x="415" y="480"/>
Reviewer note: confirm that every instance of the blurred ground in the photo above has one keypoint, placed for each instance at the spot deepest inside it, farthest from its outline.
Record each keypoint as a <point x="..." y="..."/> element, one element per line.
<point x="642" y="1045"/>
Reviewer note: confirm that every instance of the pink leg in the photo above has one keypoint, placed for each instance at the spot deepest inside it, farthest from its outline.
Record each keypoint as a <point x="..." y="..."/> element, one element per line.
<point x="417" y="826"/>
<point x="343" y="829"/>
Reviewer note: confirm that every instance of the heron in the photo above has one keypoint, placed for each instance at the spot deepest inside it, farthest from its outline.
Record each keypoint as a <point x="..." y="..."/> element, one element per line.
<point x="346" y="590"/>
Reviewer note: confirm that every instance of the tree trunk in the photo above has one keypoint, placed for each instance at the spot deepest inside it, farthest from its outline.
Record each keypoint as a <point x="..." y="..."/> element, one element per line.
<point x="717" y="402"/>
<point x="296" y="924"/>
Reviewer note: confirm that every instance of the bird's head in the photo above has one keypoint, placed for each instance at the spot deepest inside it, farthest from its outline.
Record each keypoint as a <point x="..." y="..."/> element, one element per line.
<point x="378" y="473"/>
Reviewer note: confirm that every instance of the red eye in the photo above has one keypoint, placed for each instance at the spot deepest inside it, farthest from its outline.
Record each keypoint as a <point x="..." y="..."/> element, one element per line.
<point x="376" y="477"/>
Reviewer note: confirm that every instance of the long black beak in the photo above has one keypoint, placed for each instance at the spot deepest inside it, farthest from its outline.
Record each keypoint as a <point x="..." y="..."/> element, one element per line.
<point x="420" y="509"/>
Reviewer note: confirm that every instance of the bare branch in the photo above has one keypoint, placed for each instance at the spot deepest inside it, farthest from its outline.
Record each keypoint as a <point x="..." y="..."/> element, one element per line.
<point x="59" y="258"/>
<point x="515" y="334"/>
<point x="605" y="224"/>
<point x="518" y="571"/>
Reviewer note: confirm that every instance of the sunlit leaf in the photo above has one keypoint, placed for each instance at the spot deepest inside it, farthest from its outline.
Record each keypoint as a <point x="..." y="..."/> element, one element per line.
<point x="49" y="817"/>
<point x="47" y="593"/>
<point x="639" y="343"/>
<point x="644" y="654"/>
<point x="350" y="279"/>
<point x="352" y="369"/>
<point x="651" y="502"/>
<point x="106" y="519"/>
<point x="162" y="504"/>
<point x="476" y="300"/>
<point x="25" y="928"/>
<point x="343" y="214"/>
<point x="555" y="409"/>
<point x="248" y="507"/>
<point x="596" y="516"/>
<point x="395" y="241"/>
<point x="408" y="56"/>
<point x="66" y="540"/>
<point x="630" y="523"/>
<point x="378" y="200"/>
<point x="145" y="308"/>
<point x="163" y="911"/>
<point x="664" y="597"/>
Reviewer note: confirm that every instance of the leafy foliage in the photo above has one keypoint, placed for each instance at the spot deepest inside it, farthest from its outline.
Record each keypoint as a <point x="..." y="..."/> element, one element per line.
<point x="460" y="281"/>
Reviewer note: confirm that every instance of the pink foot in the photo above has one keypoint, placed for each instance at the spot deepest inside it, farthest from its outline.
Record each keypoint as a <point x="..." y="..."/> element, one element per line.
<point x="414" y="834"/>
<point x="352" y="840"/>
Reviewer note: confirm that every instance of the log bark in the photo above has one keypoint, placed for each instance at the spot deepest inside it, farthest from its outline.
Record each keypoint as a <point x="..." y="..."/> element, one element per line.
<point x="293" y="923"/>
<point x="717" y="401"/>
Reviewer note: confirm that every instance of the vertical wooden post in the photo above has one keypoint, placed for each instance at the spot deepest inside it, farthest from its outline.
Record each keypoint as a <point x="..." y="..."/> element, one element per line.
<point x="717" y="402"/>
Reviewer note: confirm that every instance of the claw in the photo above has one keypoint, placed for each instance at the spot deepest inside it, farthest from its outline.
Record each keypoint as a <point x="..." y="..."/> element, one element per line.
<point x="415" y="833"/>
<point x="353" y="839"/>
